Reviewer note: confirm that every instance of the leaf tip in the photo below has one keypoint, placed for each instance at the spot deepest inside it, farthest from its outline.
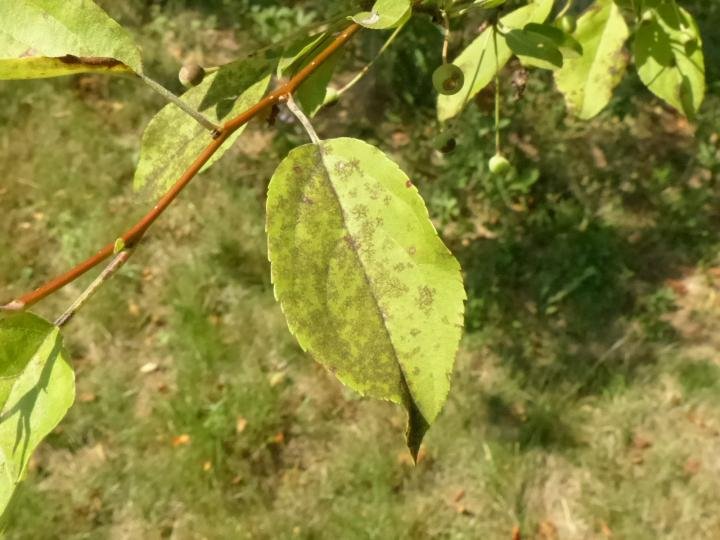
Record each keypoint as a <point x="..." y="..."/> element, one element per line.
<point x="416" y="430"/>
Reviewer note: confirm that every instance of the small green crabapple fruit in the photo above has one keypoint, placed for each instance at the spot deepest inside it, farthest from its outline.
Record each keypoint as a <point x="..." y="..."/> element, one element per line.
<point x="191" y="74"/>
<point x="498" y="164"/>
<point x="568" y="24"/>
<point x="448" y="79"/>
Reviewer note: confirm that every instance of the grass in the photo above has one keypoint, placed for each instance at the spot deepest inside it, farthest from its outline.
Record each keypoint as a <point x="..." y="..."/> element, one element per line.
<point x="585" y="398"/>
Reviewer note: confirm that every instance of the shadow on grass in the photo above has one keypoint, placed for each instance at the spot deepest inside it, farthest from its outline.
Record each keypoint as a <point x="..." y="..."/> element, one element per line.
<point x="573" y="303"/>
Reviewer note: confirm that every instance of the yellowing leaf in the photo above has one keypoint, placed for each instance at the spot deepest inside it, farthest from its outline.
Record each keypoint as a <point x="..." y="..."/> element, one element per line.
<point x="37" y="387"/>
<point x="367" y="286"/>
<point x="49" y="38"/>
<point x="479" y="62"/>
<point x="587" y="82"/>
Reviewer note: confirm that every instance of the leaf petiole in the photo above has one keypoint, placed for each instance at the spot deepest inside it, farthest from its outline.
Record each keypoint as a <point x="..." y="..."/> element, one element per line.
<point x="201" y="119"/>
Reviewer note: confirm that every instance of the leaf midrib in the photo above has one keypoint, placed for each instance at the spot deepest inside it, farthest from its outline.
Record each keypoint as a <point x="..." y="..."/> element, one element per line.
<point x="367" y="280"/>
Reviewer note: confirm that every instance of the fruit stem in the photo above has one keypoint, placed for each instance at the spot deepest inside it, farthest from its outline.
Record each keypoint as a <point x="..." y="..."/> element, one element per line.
<point x="446" y="35"/>
<point x="564" y="10"/>
<point x="497" y="93"/>
<point x="369" y="65"/>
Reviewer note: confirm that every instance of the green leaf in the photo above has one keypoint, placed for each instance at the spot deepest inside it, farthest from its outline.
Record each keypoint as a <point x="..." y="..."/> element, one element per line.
<point x="534" y="49"/>
<point x="489" y="4"/>
<point x="385" y="14"/>
<point x="311" y="94"/>
<point x="37" y="387"/>
<point x="587" y="82"/>
<point x="367" y="286"/>
<point x="566" y="44"/>
<point x="479" y="62"/>
<point x="298" y="51"/>
<point x="173" y="140"/>
<point x="50" y="38"/>
<point x="669" y="58"/>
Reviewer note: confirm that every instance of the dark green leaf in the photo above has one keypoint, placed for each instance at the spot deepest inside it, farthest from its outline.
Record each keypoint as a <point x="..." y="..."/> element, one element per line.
<point x="534" y="49"/>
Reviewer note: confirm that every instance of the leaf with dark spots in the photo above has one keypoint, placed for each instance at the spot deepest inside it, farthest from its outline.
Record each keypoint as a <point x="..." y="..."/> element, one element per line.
<point x="55" y="38"/>
<point x="173" y="140"/>
<point x="364" y="280"/>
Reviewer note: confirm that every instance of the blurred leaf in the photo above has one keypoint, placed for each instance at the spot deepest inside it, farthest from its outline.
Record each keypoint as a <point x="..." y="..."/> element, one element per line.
<point x="670" y="60"/>
<point x="384" y="14"/>
<point x="367" y="287"/>
<point x="587" y="82"/>
<point x="173" y="140"/>
<point x="37" y="387"/>
<point x="568" y="46"/>
<point x="479" y="62"/>
<point x="50" y="38"/>
<point x="489" y="4"/>
<point x="534" y="49"/>
<point x="294" y="54"/>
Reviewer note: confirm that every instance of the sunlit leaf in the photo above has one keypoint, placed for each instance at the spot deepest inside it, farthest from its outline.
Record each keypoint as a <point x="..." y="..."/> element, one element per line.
<point x="385" y="14"/>
<point x="49" y="38"/>
<point x="173" y="140"/>
<point x="366" y="284"/>
<point x="669" y="58"/>
<point x="37" y="387"/>
<point x="587" y="82"/>
<point x="479" y="62"/>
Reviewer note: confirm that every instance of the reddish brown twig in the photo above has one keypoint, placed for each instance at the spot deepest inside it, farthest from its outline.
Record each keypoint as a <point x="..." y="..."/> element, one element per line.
<point x="136" y="232"/>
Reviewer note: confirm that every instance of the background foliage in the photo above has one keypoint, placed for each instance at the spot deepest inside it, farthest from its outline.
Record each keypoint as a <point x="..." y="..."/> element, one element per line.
<point x="585" y="399"/>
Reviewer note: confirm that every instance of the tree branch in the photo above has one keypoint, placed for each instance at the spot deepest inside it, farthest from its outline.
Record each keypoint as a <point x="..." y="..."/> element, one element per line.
<point x="116" y="264"/>
<point x="364" y="71"/>
<point x="132" y="236"/>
